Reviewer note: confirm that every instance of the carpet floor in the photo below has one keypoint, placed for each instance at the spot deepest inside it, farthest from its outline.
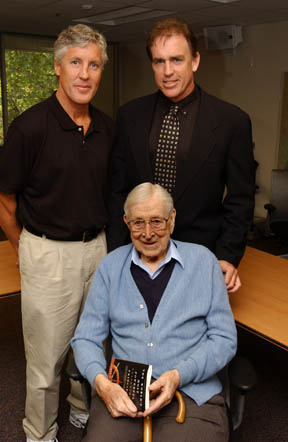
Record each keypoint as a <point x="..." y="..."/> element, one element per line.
<point x="266" y="411"/>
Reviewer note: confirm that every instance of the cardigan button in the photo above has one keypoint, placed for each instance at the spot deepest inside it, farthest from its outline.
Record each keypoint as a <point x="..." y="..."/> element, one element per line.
<point x="150" y="344"/>
<point x="141" y="305"/>
<point x="146" y="325"/>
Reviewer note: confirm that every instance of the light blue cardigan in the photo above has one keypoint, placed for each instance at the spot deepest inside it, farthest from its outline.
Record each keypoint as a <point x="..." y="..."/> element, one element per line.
<point x="193" y="329"/>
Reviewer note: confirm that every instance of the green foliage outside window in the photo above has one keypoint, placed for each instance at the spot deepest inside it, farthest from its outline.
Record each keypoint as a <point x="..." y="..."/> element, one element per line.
<point x="1" y="121"/>
<point x="30" y="78"/>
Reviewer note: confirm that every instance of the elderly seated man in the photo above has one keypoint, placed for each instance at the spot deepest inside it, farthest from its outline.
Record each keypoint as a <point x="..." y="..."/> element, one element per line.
<point x="165" y="304"/>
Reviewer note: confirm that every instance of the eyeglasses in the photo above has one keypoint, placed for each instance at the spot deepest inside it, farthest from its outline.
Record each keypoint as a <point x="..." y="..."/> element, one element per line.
<point x="138" y="225"/>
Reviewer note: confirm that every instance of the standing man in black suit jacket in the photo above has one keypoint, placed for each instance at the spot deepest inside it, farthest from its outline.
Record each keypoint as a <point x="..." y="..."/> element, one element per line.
<point x="214" y="186"/>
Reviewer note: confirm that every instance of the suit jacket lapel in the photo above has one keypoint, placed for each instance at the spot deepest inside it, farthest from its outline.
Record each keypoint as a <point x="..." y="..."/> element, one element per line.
<point x="141" y="124"/>
<point x="203" y="141"/>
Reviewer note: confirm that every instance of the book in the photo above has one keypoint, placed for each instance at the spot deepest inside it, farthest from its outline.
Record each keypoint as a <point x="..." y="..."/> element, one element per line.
<point x="134" y="378"/>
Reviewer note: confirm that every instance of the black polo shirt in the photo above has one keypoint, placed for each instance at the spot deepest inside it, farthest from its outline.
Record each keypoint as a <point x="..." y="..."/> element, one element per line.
<point x="58" y="174"/>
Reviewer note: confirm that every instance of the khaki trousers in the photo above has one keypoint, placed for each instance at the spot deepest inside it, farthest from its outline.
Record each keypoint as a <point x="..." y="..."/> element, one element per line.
<point x="55" y="280"/>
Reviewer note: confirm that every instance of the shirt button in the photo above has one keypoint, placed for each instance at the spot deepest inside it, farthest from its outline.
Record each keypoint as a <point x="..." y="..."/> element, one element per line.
<point x="80" y="129"/>
<point x="141" y="305"/>
<point x="146" y="325"/>
<point x="150" y="344"/>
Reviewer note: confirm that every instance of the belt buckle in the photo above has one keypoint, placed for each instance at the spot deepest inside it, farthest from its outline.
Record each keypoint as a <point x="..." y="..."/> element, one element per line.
<point x="85" y="237"/>
<point x="88" y="235"/>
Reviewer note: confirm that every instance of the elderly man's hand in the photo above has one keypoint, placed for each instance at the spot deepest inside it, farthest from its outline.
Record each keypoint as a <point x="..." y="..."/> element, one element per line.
<point x="166" y="384"/>
<point x="115" y="397"/>
<point x="231" y="276"/>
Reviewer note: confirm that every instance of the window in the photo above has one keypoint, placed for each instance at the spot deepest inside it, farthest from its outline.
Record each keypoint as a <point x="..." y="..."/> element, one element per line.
<point x="1" y="118"/>
<point x="30" y="78"/>
<point x="28" y="73"/>
<point x="283" y="141"/>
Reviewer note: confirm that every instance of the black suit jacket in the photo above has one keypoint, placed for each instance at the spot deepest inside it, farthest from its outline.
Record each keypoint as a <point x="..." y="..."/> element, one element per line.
<point x="214" y="193"/>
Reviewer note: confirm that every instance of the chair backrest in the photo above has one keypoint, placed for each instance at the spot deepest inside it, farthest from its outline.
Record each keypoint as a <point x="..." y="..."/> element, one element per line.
<point x="279" y="191"/>
<point x="279" y="199"/>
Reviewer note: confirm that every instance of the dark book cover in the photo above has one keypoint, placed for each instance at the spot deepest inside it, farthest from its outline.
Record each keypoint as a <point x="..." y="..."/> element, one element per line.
<point x="134" y="378"/>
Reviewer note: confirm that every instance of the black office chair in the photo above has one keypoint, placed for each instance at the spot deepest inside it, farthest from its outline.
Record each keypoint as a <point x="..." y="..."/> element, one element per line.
<point x="271" y="234"/>
<point x="277" y="210"/>
<point x="278" y="207"/>
<point x="237" y="379"/>
<point x="240" y="379"/>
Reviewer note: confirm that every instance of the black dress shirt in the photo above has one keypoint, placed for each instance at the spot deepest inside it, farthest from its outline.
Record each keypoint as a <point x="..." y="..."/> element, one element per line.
<point x="188" y="108"/>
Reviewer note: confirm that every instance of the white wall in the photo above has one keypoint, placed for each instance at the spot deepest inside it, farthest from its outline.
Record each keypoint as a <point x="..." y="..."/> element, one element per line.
<point x="251" y="78"/>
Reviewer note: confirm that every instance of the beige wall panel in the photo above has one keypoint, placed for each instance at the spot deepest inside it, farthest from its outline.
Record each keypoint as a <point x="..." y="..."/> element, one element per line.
<point x="104" y="99"/>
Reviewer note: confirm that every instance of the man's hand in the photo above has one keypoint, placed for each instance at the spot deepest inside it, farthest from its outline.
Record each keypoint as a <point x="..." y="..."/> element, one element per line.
<point x="167" y="384"/>
<point x="231" y="276"/>
<point x="8" y="221"/>
<point x="115" y="397"/>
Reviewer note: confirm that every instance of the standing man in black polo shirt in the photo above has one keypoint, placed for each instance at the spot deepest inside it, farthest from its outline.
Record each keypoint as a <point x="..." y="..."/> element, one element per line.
<point x="53" y="184"/>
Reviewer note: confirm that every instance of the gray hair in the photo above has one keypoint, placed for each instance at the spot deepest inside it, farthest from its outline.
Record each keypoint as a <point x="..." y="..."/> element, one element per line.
<point x="144" y="191"/>
<point x="79" y="36"/>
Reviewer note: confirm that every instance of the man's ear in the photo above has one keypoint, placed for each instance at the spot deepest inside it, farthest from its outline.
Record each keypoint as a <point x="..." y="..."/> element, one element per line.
<point x="196" y="62"/>
<point x="125" y="220"/>
<point x="172" y="220"/>
<point x="57" y="68"/>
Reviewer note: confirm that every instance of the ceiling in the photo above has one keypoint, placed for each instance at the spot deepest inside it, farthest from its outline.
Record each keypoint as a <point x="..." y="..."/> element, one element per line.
<point x="129" y="20"/>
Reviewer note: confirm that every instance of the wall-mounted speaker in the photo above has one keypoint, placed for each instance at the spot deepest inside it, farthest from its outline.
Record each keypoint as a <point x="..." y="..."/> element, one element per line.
<point x="223" y="37"/>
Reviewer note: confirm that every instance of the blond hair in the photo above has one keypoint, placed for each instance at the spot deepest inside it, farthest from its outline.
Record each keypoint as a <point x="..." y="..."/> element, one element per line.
<point x="79" y="36"/>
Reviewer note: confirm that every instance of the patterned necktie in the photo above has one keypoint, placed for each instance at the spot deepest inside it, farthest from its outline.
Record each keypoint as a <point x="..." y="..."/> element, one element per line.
<point x="165" y="163"/>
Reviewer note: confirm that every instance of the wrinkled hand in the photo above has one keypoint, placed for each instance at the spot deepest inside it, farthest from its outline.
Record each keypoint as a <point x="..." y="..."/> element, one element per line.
<point x="231" y="276"/>
<point x="166" y="384"/>
<point x="115" y="397"/>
